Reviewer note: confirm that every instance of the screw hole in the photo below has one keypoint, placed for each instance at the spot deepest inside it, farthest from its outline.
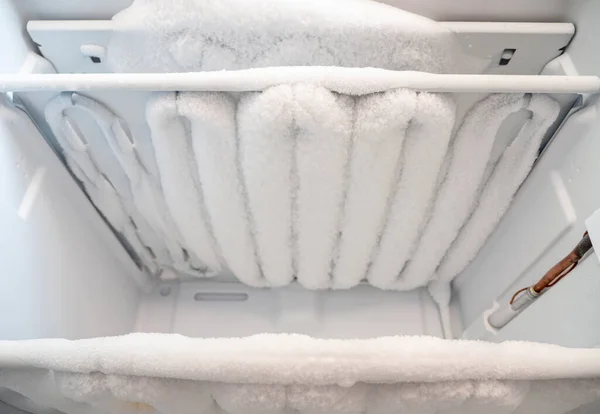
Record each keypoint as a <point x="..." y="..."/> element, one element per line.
<point x="165" y="290"/>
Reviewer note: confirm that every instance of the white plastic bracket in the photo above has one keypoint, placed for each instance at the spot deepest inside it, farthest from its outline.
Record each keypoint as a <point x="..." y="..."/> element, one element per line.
<point x="530" y="45"/>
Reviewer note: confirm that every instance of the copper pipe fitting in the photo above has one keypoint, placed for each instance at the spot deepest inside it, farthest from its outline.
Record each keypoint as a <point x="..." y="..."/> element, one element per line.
<point x="562" y="268"/>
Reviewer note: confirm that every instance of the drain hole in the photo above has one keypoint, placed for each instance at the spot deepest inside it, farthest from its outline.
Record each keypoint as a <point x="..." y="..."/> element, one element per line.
<point x="220" y="297"/>
<point x="95" y="59"/>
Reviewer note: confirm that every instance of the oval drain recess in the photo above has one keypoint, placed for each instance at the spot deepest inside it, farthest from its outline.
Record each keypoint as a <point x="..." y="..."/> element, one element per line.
<point x="220" y="297"/>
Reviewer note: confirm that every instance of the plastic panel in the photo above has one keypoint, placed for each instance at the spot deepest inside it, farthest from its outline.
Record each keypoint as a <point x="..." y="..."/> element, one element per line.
<point x="15" y="46"/>
<point x="511" y="259"/>
<point x="535" y="43"/>
<point x="568" y="313"/>
<point x="361" y="312"/>
<point x="64" y="274"/>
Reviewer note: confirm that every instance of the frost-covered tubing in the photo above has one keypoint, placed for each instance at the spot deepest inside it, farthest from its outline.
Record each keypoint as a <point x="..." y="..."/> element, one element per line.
<point x="299" y="183"/>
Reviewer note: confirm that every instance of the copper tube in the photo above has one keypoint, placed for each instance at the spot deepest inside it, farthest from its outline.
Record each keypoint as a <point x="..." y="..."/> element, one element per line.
<point x="562" y="268"/>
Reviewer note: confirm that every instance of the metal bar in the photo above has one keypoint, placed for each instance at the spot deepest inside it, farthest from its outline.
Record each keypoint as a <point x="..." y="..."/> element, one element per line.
<point x="353" y="81"/>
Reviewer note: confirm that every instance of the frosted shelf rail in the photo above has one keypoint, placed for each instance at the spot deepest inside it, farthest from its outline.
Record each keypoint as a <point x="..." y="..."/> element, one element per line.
<point x="352" y="81"/>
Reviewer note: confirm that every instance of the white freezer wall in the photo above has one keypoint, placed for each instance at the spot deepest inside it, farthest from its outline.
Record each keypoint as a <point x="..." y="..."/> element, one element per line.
<point x="542" y="226"/>
<point x="14" y="46"/>
<point x="63" y="272"/>
<point x="545" y="222"/>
